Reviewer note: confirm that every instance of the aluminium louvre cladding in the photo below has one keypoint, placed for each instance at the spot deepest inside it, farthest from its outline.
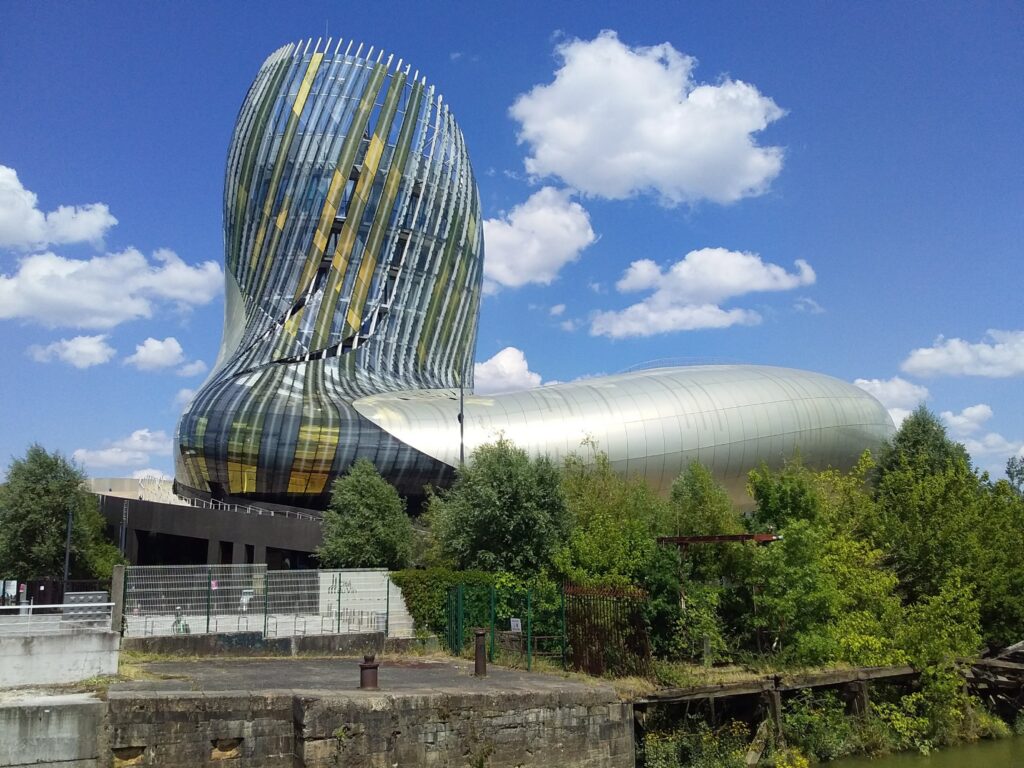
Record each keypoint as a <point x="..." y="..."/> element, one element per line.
<point x="353" y="255"/>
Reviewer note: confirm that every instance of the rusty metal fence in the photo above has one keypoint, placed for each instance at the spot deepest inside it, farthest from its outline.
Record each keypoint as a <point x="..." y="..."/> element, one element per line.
<point x="607" y="631"/>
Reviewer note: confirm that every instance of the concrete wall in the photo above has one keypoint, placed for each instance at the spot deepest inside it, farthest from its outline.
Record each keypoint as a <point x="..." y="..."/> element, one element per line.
<point x="51" y="730"/>
<point x="255" y="644"/>
<point x="65" y="657"/>
<point x="570" y="729"/>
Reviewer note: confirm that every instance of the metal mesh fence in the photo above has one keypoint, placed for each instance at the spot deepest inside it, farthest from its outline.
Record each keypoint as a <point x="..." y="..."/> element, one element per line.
<point x="168" y="600"/>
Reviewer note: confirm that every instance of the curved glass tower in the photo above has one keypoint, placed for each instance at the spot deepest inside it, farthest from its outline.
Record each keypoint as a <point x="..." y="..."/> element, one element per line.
<point x="353" y="263"/>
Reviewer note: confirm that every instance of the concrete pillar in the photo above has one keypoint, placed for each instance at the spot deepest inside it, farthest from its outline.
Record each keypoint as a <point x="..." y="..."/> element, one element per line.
<point x="117" y="598"/>
<point x="260" y="557"/>
<point x="213" y="552"/>
<point x="238" y="553"/>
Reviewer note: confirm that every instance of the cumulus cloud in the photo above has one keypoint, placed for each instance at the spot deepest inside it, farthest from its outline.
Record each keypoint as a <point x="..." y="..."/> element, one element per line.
<point x="687" y="295"/>
<point x="194" y="368"/>
<point x="993" y="444"/>
<point x="24" y="226"/>
<point x="154" y="355"/>
<point x="558" y="309"/>
<point x="80" y="351"/>
<point x="103" y="291"/>
<point x="969" y="420"/>
<point x="535" y="240"/>
<point x="131" y="451"/>
<point x="507" y="371"/>
<point x="898" y="395"/>
<point x="1001" y="355"/>
<point x="617" y="121"/>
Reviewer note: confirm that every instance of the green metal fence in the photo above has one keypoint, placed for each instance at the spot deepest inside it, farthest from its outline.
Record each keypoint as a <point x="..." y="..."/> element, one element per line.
<point x="521" y="624"/>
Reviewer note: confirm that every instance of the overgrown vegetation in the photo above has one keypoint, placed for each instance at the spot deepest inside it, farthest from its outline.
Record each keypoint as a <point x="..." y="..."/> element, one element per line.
<point x="912" y="557"/>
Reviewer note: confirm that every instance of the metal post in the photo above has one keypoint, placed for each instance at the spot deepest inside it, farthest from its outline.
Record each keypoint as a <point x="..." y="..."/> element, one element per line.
<point x="493" y="619"/>
<point x="67" y="550"/>
<point x="337" y="581"/>
<point x="209" y="596"/>
<point x="479" y="653"/>
<point x="561" y="594"/>
<point x="529" y="629"/>
<point x="266" y="602"/>
<point x="462" y="424"/>
<point x="461" y="637"/>
<point x="387" y="605"/>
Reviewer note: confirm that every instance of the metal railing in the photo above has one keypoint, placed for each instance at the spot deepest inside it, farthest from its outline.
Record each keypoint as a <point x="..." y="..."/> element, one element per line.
<point x="248" y="510"/>
<point x="53" y="618"/>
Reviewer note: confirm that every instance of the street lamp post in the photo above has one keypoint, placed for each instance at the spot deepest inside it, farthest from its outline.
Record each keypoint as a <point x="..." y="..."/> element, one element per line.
<point x="67" y="549"/>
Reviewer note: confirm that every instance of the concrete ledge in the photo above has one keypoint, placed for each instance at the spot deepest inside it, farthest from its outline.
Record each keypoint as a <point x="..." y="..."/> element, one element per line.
<point x="40" y="730"/>
<point x="255" y="644"/>
<point x="58" y="658"/>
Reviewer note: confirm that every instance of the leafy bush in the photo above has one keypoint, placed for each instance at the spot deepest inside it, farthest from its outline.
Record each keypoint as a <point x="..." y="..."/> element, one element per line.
<point x="697" y="746"/>
<point x="817" y="724"/>
<point x="426" y="593"/>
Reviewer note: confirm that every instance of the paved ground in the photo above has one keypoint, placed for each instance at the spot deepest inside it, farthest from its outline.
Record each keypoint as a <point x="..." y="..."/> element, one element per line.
<point x="342" y="674"/>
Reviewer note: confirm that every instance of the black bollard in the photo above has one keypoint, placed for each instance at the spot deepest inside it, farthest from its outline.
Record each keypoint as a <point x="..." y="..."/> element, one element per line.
<point x="480" y="653"/>
<point x="368" y="673"/>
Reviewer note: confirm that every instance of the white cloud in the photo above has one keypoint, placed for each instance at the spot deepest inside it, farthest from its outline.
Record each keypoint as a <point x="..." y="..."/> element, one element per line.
<point x="24" y="226"/>
<point x="808" y="305"/>
<point x="80" y="351"/>
<point x="898" y="395"/>
<point x="535" y="240"/>
<point x="153" y="354"/>
<point x="558" y="309"/>
<point x="103" y="291"/>
<point x="993" y="444"/>
<point x="687" y="295"/>
<point x="969" y="420"/>
<point x="1001" y="356"/>
<point x="183" y="396"/>
<point x="507" y="371"/>
<point x="639" y="276"/>
<point x="618" y="121"/>
<point x="131" y="451"/>
<point x="194" y="368"/>
<point x="569" y="325"/>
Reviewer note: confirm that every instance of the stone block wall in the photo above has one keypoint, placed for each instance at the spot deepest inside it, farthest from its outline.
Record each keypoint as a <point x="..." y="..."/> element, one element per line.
<point x="568" y="729"/>
<point x="183" y="730"/>
<point x="571" y="729"/>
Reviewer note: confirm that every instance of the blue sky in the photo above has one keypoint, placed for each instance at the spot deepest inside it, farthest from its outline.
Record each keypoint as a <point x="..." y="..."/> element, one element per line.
<point x="835" y="187"/>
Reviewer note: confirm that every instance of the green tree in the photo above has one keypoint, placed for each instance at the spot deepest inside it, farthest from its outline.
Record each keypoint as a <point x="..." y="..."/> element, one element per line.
<point x="505" y="512"/>
<point x="365" y="525"/>
<point x="921" y="443"/>
<point x="1015" y="473"/>
<point x="615" y="523"/>
<point x="34" y="504"/>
